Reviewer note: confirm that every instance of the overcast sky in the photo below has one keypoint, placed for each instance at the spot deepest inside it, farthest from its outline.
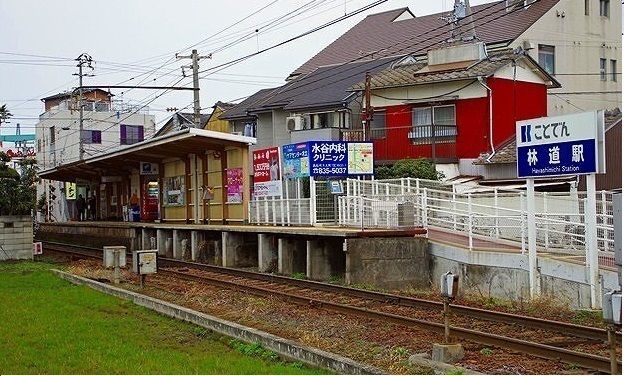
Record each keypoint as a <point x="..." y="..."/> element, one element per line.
<point x="146" y="34"/>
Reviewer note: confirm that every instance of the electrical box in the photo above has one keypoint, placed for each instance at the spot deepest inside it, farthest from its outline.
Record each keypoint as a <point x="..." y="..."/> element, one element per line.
<point x="109" y="256"/>
<point x="145" y="262"/>
<point x="335" y="187"/>
<point x="449" y="284"/>
<point x="612" y="307"/>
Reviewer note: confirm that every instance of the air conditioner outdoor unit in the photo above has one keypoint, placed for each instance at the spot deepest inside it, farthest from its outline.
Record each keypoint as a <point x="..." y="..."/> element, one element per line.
<point x="295" y="123"/>
<point x="528" y="45"/>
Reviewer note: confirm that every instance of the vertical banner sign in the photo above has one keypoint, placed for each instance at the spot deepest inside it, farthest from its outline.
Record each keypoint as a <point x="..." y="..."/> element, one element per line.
<point x="267" y="173"/>
<point x="338" y="158"/>
<point x="560" y="145"/>
<point x="234" y="185"/>
<point x="70" y="190"/>
<point x="296" y="161"/>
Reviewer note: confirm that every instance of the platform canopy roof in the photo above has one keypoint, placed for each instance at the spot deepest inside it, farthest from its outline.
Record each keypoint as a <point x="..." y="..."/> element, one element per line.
<point x="122" y="160"/>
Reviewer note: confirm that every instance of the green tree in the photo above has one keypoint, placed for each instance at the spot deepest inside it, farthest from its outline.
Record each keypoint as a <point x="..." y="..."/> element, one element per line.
<point x="420" y="168"/>
<point x="18" y="191"/>
<point x="4" y="114"/>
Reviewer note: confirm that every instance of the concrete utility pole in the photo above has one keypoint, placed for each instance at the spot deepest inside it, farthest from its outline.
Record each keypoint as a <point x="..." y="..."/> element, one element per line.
<point x="195" y="66"/>
<point x="368" y="111"/>
<point x="83" y="60"/>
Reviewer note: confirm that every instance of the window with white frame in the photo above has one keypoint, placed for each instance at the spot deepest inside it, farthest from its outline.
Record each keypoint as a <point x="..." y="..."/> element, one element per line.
<point x="546" y="57"/>
<point x="603" y="69"/>
<point x="438" y="121"/>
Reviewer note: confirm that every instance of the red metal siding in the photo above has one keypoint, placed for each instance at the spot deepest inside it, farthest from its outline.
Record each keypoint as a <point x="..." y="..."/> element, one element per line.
<point x="511" y="102"/>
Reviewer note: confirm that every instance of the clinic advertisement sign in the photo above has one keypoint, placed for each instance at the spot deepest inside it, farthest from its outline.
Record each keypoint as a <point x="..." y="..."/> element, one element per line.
<point x="560" y="145"/>
<point x="296" y="160"/>
<point x="267" y="172"/>
<point x="338" y="158"/>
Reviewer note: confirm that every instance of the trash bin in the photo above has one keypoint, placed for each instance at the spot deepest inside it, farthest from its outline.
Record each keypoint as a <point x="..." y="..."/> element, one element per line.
<point x="135" y="214"/>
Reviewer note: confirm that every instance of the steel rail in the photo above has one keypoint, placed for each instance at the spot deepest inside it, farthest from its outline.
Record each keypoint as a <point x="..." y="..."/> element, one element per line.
<point x="509" y="318"/>
<point x="526" y="347"/>
<point x="580" y="331"/>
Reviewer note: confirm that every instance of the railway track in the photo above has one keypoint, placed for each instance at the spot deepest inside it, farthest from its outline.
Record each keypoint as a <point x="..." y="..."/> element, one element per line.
<point x="374" y="305"/>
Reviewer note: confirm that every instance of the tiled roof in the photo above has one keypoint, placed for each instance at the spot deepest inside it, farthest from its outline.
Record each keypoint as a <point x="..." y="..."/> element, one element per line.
<point x="378" y="35"/>
<point x="185" y="119"/>
<point x="414" y="74"/>
<point x="223" y="105"/>
<point x="506" y="153"/>
<point x="68" y="94"/>
<point x="324" y="87"/>
<point x="240" y="110"/>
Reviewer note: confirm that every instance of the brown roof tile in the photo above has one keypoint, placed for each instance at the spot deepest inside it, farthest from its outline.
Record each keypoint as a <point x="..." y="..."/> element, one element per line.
<point x="378" y="33"/>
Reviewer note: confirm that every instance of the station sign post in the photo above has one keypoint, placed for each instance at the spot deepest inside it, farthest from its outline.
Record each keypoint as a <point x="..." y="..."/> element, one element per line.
<point x="562" y="146"/>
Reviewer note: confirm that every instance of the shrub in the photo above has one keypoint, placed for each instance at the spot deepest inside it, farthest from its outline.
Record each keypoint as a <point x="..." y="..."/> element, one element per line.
<point x="420" y="168"/>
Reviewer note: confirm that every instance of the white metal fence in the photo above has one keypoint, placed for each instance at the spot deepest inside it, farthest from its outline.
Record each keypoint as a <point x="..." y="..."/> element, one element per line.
<point x="496" y="214"/>
<point x="281" y="211"/>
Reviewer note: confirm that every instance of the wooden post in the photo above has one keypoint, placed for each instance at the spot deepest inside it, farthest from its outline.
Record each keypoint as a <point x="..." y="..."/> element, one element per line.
<point x="161" y="190"/>
<point x="187" y="183"/>
<point x="246" y="183"/>
<point x="205" y="182"/>
<point x="224" y="207"/>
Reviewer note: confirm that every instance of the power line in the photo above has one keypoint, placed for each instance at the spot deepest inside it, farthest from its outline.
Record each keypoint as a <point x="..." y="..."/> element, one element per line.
<point x="288" y="88"/>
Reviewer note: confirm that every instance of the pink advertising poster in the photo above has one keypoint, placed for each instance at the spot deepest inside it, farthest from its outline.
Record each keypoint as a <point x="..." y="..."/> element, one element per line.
<point x="234" y="185"/>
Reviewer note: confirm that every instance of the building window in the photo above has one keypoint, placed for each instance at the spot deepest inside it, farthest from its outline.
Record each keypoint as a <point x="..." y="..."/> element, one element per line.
<point x="91" y="137"/>
<point x="587" y="7"/>
<point x="614" y="70"/>
<point x="438" y="121"/>
<point x="604" y="8"/>
<point x="130" y="134"/>
<point x="378" y="125"/>
<point x="38" y="146"/>
<point x="52" y="136"/>
<point x="603" y="69"/>
<point x="546" y="57"/>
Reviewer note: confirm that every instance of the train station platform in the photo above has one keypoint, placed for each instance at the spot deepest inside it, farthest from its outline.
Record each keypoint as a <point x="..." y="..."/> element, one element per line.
<point x="385" y="258"/>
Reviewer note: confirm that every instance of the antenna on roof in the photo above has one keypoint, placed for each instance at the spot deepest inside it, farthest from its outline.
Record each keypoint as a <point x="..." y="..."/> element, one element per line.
<point x="461" y="11"/>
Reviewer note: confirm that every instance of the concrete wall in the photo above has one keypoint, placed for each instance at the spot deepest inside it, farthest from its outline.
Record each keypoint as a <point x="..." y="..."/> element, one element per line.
<point x="16" y="237"/>
<point x="505" y="275"/>
<point x="89" y="236"/>
<point x="393" y="263"/>
<point x="580" y="41"/>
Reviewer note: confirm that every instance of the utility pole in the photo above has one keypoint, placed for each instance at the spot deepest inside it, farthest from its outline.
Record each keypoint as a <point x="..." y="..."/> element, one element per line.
<point x="83" y="60"/>
<point x="195" y="67"/>
<point x="368" y="111"/>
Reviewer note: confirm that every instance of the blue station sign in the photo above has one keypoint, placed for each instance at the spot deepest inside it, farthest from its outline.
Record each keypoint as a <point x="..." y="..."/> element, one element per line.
<point x="560" y="145"/>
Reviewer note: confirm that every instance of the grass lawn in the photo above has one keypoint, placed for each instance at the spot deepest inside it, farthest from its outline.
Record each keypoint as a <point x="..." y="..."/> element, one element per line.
<point x="48" y="325"/>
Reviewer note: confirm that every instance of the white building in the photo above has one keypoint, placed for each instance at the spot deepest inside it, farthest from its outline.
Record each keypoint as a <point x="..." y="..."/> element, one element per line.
<point x="107" y="125"/>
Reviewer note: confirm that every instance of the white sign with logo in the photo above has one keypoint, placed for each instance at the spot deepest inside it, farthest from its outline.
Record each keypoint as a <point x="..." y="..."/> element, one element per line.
<point x="561" y="145"/>
<point x="148" y="168"/>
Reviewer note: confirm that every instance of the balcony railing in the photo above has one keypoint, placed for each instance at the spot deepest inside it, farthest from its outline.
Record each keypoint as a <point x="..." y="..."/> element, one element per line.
<point x="422" y="141"/>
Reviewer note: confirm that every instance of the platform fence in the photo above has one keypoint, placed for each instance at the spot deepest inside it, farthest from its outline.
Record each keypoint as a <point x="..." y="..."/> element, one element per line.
<point x="496" y="214"/>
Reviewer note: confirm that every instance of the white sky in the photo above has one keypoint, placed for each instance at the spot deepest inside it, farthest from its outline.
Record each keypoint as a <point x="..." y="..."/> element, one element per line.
<point x="129" y="31"/>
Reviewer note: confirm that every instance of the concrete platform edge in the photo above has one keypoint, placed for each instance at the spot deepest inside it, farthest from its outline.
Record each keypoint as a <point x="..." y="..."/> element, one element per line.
<point x="282" y="346"/>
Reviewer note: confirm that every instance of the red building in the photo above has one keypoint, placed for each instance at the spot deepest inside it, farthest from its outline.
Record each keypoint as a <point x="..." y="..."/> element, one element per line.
<point x="458" y="104"/>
